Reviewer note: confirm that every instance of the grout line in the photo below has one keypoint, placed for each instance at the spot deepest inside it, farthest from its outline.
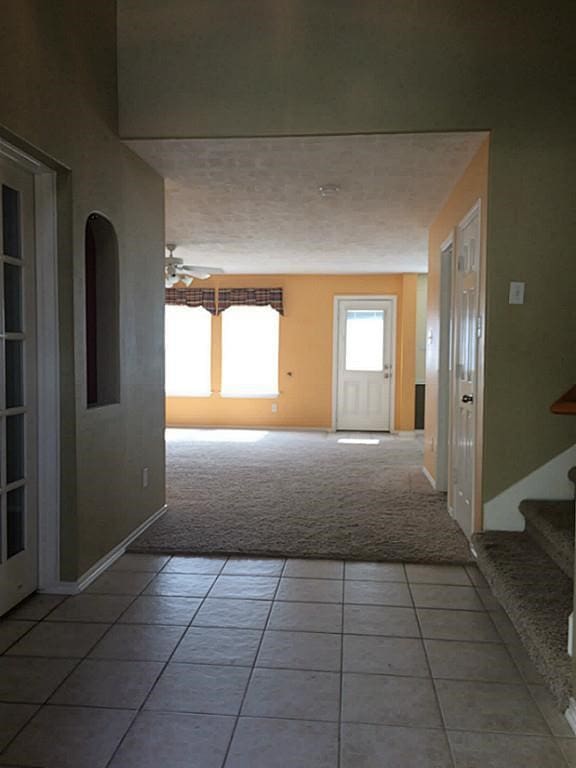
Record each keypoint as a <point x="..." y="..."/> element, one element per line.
<point x="251" y="675"/>
<point x="434" y="688"/>
<point x="341" y="681"/>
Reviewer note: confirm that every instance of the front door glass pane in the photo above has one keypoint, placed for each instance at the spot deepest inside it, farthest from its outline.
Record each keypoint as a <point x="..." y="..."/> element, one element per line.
<point x="12" y="298"/>
<point x="11" y="222"/>
<point x="14" y="374"/>
<point x="15" y="522"/>
<point x="14" y="448"/>
<point x="364" y="340"/>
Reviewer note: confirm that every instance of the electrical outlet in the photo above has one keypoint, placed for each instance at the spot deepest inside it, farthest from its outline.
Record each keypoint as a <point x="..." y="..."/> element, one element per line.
<point x="274" y="407"/>
<point x="145" y="477"/>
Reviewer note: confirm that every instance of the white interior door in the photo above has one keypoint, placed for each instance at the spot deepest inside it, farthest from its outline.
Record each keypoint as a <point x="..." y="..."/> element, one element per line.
<point x="364" y="364"/>
<point x="18" y="506"/>
<point x="465" y="341"/>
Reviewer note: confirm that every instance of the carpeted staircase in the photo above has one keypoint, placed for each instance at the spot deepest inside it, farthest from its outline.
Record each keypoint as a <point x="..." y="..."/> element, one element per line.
<point x="531" y="573"/>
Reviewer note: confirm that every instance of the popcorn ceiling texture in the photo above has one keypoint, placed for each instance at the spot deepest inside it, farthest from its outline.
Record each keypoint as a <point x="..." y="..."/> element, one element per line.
<point x="303" y="495"/>
<point x="253" y="205"/>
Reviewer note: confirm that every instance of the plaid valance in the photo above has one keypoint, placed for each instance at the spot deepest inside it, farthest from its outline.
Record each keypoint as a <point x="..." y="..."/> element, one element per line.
<point x="252" y="297"/>
<point x="193" y="297"/>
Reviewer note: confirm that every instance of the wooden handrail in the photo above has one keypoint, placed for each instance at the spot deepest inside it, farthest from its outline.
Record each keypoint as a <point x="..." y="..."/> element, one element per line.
<point x="565" y="404"/>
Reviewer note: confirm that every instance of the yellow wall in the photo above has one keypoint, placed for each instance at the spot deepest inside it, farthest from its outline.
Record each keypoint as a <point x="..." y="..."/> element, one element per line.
<point x="472" y="186"/>
<point x="305" y="398"/>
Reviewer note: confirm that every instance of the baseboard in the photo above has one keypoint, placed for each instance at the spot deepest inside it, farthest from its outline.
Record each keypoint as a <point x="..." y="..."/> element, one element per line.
<point x="429" y="477"/>
<point x="267" y="427"/>
<point x="570" y="714"/>
<point x="75" y="587"/>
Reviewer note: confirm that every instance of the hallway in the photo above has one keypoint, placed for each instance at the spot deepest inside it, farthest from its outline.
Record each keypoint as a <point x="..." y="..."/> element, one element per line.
<point x="211" y="662"/>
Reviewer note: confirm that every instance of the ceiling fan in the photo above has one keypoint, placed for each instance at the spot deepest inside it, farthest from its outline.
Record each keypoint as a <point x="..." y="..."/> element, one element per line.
<point x="175" y="271"/>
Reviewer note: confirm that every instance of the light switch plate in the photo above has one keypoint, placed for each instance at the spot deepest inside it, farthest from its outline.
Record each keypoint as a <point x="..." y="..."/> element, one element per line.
<point x="516" y="295"/>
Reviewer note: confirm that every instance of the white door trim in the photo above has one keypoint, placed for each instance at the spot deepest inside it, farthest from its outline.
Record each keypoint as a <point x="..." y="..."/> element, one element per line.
<point x="48" y="366"/>
<point x="335" y="359"/>
<point x="443" y="434"/>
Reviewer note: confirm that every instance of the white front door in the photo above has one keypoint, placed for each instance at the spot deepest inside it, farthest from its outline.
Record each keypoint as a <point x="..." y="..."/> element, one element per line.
<point x="18" y="485"/>
<point x="465" y="340"/>
<point x="364" y="364"/>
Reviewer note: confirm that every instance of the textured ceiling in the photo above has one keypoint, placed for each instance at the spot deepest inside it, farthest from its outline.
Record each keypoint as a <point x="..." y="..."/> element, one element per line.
<point x="254" y="206"/>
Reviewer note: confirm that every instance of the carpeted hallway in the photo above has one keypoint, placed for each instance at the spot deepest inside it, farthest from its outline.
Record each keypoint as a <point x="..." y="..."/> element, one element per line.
<point x="304" y="494"/>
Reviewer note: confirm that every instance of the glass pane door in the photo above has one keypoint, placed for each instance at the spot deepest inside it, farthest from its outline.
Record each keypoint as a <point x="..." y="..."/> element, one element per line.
<point x="364" y="340"/>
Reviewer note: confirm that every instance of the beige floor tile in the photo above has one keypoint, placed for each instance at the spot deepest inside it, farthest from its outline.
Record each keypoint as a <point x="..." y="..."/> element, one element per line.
<point x="314" y="569"/>
<point x="197" y="565"/>
<point x="377" y="593"/>
<point x="92" y="608"/>
<point x="374" y="571"/>
<point x="293" y="694"/>
<point x="251" y="566"/>
<point x="269" y="743"/>
<point x="138" y="642"/>
<point x="200" y="688"/>
<point x="120" y="583"/>
<point x="12" y="630"/>
<point x="385" y="656"/>
<point x="474" y="626"/>
<point x="13" y="717"/>
<point x="36" y="607"/>
<point x="59" y="639"/>
<point x="525" y="664"/>
<point x="161" y="609"/>
<point x="113" y="684"/>
<point x="471" y="661"/>
<point x="306" y="617"/>
<point x="557" y="723"/>
<point x="219" y="645"/>
<point x="175" y="741"/>
<point x="497" y="750"/>
<point x="29" y="680"/>
<point x="447" y="597"/>
<point x="310" y="590"/>
<point x="180" y="585"/>
<point x="472" y="706"/>
<point x="380" y="620"/>
<point x="389" y="701"/>
<point x="379" y="746"/>
<point x="241" y="614"/>
<point x="300" y="650"/>
<point x="69" y="737"/>
<point x="246" y="587"/>
<point x="568" y="749"/>
<point x="140" y="562"/>
<point x="438" y="574"/>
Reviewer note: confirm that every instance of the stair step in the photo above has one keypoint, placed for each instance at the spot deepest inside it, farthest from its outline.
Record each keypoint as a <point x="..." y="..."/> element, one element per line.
<point x="551" y="525"/>
<point x="537" y="596"/>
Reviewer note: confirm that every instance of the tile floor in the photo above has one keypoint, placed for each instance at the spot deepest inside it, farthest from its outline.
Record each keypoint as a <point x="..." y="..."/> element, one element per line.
<point x="245" y="663"/>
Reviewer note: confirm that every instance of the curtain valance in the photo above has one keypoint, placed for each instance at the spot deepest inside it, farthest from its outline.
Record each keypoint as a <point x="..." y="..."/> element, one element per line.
<point x="193" y="297"/>
<point x="252" y="297"/>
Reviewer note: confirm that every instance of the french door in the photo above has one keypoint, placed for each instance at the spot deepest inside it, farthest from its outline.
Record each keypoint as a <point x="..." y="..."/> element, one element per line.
<point x="18" y="484"/>
<point x="364" y="364"/>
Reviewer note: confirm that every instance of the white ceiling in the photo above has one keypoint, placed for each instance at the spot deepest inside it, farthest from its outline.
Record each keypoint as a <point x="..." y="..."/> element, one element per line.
<point x="253" y="205"/>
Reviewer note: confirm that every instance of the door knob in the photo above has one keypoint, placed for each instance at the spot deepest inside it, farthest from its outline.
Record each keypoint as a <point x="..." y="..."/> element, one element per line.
<point x="467" y="399"/>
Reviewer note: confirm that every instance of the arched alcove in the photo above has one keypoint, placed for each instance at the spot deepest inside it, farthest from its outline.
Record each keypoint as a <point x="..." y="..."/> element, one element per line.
<point x="102" y="312"/>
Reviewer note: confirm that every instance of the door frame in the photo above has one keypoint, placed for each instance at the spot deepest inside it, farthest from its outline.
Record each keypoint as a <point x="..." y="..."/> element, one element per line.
<point x="445" y="338"/>
<point x="335" y="348"/>
<point x="47" y="362"/>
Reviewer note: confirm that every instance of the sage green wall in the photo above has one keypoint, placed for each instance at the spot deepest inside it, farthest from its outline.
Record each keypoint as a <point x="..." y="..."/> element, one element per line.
<point x="271" y="67"/>
<point x="59" y="101"/>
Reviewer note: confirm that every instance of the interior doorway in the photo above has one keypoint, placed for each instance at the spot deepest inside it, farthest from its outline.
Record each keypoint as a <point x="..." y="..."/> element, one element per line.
<point x="364" y="370"/>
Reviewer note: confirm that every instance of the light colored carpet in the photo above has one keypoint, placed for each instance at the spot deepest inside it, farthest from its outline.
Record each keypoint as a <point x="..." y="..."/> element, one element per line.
<point x="537" y="596"/>
<point x="301" y="494"/>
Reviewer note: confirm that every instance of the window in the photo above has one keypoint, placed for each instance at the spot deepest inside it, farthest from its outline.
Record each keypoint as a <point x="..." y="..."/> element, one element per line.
<point x="188" y="351"/>
<point x="364" y="339"/>
<point x="102" y="312"/>
<point x="250" y="338"/>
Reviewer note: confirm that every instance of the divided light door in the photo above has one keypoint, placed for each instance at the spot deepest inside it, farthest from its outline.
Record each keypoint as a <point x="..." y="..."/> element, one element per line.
<point x="18" y="504"/>
<point x="364" y="364"/>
